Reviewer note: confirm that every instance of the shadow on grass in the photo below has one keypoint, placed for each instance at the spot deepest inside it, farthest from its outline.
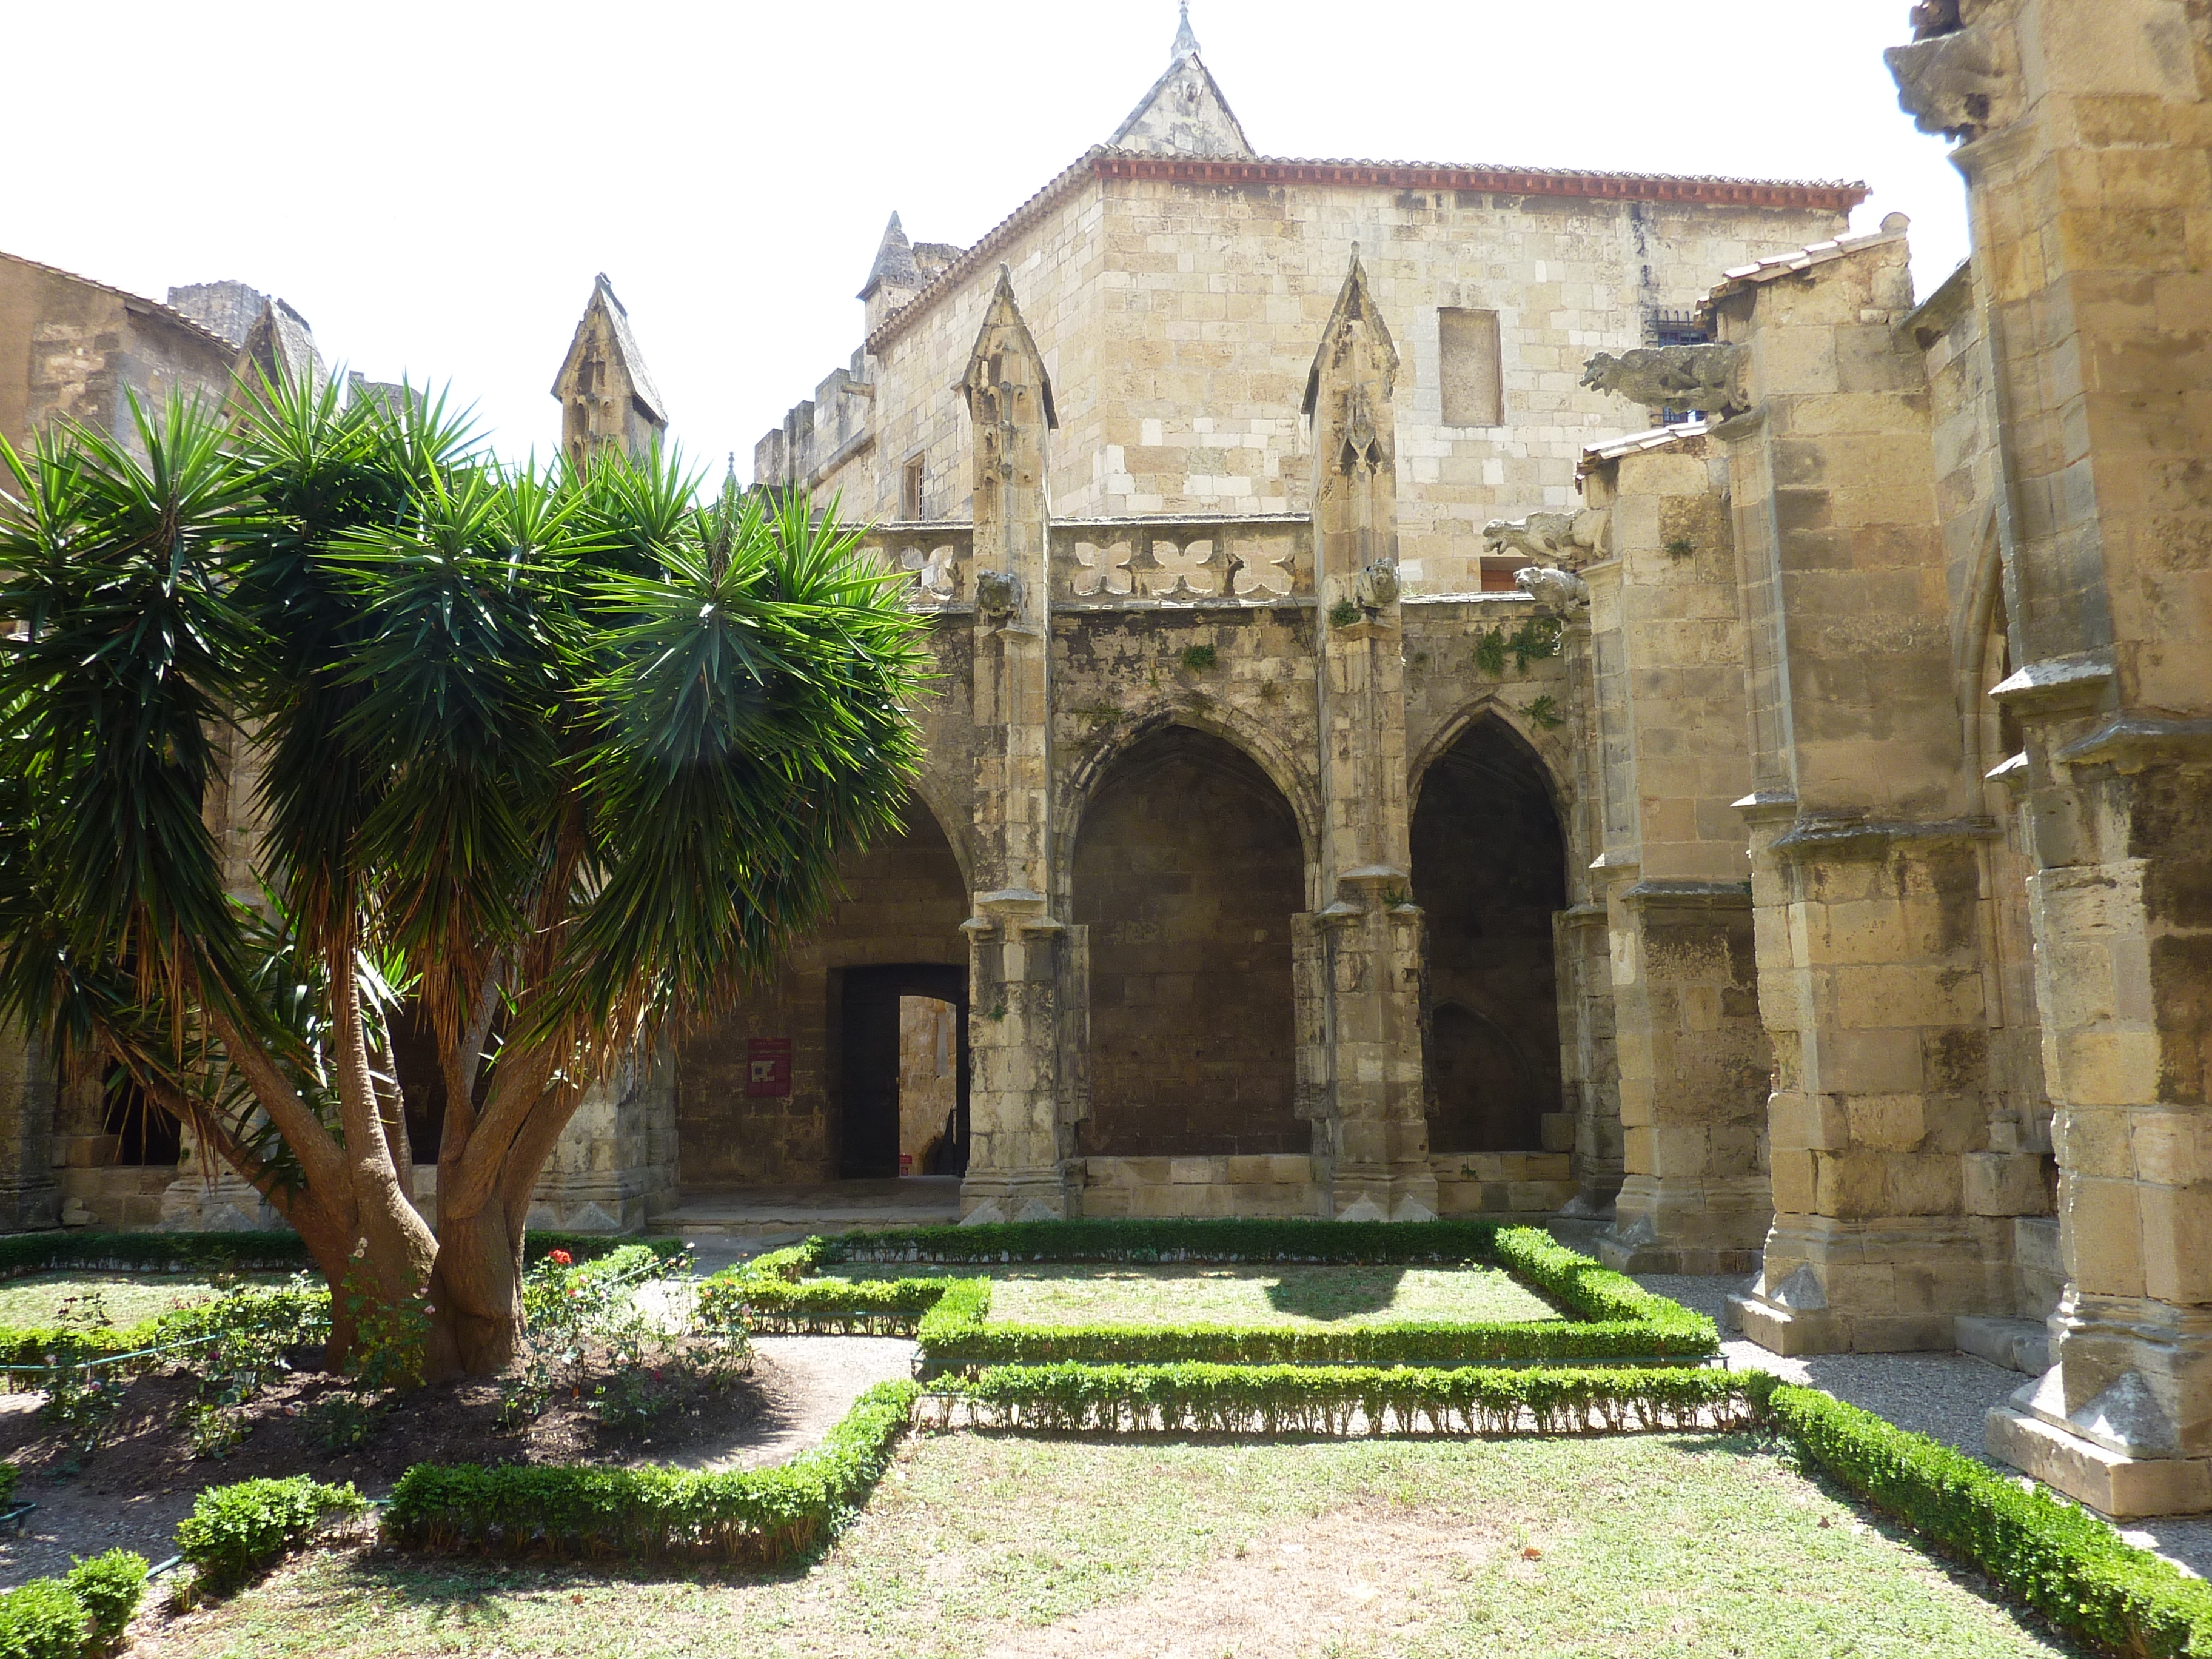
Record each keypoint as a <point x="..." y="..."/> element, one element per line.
<point x="1327" y="1293"/>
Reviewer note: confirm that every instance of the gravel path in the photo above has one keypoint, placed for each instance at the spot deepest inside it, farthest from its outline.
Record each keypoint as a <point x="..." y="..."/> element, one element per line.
<point x="1945" y="1396"/>
<point x="828" y="1373"/>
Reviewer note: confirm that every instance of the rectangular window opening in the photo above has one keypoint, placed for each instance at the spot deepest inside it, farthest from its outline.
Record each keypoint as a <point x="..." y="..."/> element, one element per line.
<point x="910" y="489"/>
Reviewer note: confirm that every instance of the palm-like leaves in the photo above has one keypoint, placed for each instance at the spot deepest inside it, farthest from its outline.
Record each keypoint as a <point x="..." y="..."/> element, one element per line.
<point x="578" y="738"/>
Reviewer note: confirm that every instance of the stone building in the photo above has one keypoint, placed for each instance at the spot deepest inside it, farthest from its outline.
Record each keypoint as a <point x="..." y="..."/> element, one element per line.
<point x="1469" y="691"/>
<point x="1137" y="445"/>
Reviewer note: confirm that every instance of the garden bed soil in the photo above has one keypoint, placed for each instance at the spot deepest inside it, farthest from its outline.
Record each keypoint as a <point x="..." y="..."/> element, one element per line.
<point x="133" y="1489"/>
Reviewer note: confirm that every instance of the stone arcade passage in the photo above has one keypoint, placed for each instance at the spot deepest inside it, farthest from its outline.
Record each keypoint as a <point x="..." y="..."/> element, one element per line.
<point x="1188" y="870"/>
<point x="1489" y="868"/>
<point x="835" y="1010"/>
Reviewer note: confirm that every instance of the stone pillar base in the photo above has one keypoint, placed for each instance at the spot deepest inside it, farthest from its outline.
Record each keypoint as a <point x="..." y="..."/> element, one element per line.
<point x="1021" y="1195"/>
<point x="1790" y="1332"/>
<point x="1408" y="1196"/>
<point x="2110" y="1482"/>
<point x="1664" y="1226"/>
<point x="1890" y="1284"/>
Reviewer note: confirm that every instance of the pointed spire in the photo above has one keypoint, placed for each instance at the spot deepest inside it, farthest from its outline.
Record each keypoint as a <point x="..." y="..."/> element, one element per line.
<point x="1185" y="43"/>
<point x="894" y="262"/>
<point x="1184" y="113"/>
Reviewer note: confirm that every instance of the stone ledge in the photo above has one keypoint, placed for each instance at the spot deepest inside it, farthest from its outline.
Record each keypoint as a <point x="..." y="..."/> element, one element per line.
<point x="2119" y="1486"/>
<point x="1624" y="1258"/>
<point x="2019" y="1345"/>
<point x="1791" y="1332"/>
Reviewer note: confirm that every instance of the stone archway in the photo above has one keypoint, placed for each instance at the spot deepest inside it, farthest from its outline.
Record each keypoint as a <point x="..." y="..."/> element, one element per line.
<point x="762" y="1095"/>
<point x="1187" y="868"/>
<point x="1490" y="871"/>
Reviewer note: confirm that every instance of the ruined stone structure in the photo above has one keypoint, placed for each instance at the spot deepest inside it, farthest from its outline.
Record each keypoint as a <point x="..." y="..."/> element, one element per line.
<point x="1384" y="761"/>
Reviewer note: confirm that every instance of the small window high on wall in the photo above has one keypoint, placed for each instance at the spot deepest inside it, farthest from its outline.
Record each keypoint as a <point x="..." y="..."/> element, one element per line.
<point x="1475" y="395"/>
<point x="910" y="489"/>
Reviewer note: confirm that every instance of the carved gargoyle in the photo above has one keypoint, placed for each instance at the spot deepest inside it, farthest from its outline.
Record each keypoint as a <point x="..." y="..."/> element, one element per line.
<point x="1956" y="77"/>
<point x="1562" y="590"/>
<point x="1377" y="587"/>
<point x="1682" y="380"/>
<point x="1562" y="539"/>
<point x="998" y="594"/>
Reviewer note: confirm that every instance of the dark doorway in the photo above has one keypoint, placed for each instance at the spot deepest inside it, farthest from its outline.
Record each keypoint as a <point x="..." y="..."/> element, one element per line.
<point x="870" y="1141"/>
<point x="144" y="1133"/>
<point x="1490" y="869"/>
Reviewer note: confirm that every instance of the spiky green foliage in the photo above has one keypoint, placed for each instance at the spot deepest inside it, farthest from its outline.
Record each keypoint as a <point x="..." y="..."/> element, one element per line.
<point x="566" y="757"/>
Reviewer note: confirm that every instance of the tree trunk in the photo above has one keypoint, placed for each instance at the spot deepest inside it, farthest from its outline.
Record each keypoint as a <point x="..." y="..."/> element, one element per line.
<point x="476" y="1295"/>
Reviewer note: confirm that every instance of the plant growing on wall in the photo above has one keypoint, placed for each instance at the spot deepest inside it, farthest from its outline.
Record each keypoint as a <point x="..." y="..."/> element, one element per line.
<point x="1198" y="659"/>
<point x="567" y="757"/>
<point x="1545" y="711"/>
<point x="1535" y="637"/>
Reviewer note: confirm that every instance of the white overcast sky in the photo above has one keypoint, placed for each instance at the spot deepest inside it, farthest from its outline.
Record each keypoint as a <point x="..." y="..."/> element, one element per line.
<point x="434" y="185"/>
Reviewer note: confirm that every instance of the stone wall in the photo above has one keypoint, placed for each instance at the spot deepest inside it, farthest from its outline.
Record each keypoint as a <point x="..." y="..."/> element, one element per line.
<point x="1177" y="322"/>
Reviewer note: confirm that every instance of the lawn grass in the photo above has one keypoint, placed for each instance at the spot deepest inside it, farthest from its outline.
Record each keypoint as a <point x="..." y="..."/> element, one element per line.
<point x="1658" y="1546"/>
<point x="127" y="1298"/>
<point x="1089" y="1294"/>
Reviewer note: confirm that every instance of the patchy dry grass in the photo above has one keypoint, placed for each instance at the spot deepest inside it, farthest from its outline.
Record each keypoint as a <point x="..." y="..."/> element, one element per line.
<point x="1658" y="1546"/>
<point x="1078" y="1294"/>
<point x="126" y="1298"/>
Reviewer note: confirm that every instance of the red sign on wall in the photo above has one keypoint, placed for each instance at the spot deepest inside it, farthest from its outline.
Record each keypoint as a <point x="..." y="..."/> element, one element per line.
<point x="767" y="1066"/>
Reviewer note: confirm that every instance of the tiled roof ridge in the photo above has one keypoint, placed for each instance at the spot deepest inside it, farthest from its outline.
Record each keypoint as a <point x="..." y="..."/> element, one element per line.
<point x="169" y="313"/>
<point x="1894" y="226"/>
<point x="1657" y="437"/>
<point x="1104" y="161"/>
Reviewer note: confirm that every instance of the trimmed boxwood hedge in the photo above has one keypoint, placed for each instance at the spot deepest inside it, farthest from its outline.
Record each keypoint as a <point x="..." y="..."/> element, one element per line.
<point x="234" y="1531"/>
<point x="1615" y="1320"/>
<point x="754" y="1514"/>
<point x="76" y="1617"/>
<point x="1615" y="1317"/>
<point x="2062" y="1561"/>
<point x="236" y="1252"/>
<point x="1206" y="1399"/>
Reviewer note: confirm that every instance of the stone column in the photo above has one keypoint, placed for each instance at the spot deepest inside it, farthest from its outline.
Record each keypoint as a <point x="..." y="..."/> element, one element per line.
<point x="2089" y="161"/>
<point x="1021" y="1141"/>
<point x="1866" y="826"/>
<point x="1370" y="930"/>
<point x="1667" y="651"/>
<point x="1588" y="1069"/>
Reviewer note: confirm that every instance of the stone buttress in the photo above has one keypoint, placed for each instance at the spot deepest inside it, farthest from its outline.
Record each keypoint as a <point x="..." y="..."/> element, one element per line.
<point x="1365" y="944"/>
<point x="1024" y="964"/>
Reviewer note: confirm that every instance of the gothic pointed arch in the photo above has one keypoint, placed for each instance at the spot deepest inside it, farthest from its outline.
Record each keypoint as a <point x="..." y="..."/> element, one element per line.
<point x="1187" y="868"/>
<point x="1490" y="871"/>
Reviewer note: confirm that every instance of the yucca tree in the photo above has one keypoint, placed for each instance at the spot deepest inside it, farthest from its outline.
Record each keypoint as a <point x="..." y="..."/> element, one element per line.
<point x="567" y="758"/>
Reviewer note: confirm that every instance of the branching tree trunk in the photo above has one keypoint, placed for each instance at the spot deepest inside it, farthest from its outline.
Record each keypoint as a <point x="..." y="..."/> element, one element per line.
<point x="567" y="758"/>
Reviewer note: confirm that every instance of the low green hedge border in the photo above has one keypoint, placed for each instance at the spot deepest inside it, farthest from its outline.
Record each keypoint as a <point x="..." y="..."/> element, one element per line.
<point x="1614" y="1318"/>
<point x="763" y="1516"/>
<point x="238" y="1252"/>
<point x="73" y="1618"/>
<point x="1347" y="1242"/>
<point x="1207" y="1399"/>
<point x="2062" y="1560"/>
